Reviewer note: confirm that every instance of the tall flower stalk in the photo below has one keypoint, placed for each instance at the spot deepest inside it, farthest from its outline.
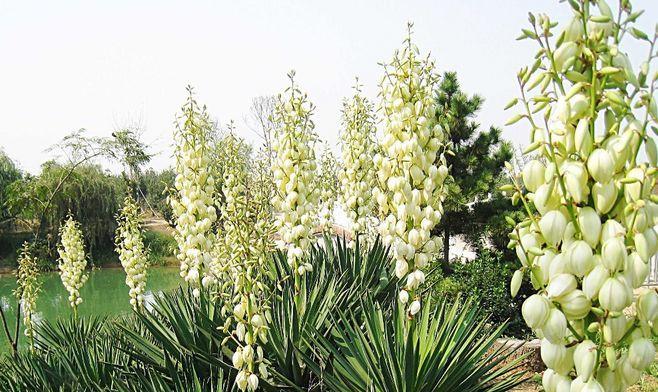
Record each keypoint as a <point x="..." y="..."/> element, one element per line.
<point x="358" y="174"/>
<point x="328" y="187"/>
<point x="411" y="167"/>
<point x="294" y="169"/>
<point x="193" y="205"/>
<point x="27" y="290"/>
<point x="247" y="229"/>
<point x="132" y="254"/>
<point x="73" y="261"/>
<point x="589" y="231"/>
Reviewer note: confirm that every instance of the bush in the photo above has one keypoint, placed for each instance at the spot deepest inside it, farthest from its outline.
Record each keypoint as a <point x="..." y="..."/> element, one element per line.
<point x="161" y="246"/>
<point x="487" y="280"/>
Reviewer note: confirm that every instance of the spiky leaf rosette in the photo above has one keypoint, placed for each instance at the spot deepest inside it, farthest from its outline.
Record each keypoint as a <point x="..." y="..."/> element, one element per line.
<point x="132" y="254"/>
<point x="410" y="167"/>
<point x="590" y="232"/>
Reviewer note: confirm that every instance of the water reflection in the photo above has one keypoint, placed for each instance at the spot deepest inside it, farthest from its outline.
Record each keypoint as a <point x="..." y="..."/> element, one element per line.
<point x="104" y="294"/>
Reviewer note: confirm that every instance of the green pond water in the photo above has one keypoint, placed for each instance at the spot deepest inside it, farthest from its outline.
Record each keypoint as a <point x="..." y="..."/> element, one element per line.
<point x="104" y="294"/>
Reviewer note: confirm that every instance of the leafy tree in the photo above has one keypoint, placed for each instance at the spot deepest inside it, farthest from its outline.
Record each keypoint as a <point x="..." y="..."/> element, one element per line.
<point x="8" y="174"/>
<point x="475" y="166"/>
<point x="92" y="195"/>
<point x="156" y="186"/>
<point x="127" y="148"/>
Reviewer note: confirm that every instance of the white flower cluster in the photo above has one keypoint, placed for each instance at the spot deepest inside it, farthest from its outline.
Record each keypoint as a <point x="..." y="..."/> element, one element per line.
<point x="27" y="290"/>
<point x="132" y="254"/>
<point x="294" y="169"/>
<point x="194" y="207"/>
<point x="328" y="187"/>
<point x="411" y="167"/>
<point x="358" y="176"/>
<point x="587" y="246"/>
<point x="246" y="227"/>
<point x="72" y="261"/>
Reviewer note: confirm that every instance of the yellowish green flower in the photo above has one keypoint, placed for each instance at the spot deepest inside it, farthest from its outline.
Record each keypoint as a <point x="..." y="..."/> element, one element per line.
<point x="73" y="260"/>
<point x="132" y="254"/>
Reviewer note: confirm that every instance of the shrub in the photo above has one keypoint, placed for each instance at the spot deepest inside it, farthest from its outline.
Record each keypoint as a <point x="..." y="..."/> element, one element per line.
<point x="486" y="279"/>
<point x="161" y="246"/>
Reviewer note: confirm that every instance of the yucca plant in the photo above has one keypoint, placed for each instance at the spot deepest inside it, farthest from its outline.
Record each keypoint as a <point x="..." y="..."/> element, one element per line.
<point x="450" y="347"/>
<point x="180" y="345"/>
<point x="177" y="342"/>
<point x="340" y="277"/>
<point x="69" y="355"/>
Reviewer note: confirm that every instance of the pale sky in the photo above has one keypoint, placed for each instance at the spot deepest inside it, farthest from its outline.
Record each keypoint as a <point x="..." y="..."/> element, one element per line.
<point x="100" y="65"/>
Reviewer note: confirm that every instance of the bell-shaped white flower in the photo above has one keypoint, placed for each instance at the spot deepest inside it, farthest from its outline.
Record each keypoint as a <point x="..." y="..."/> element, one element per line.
<point x="584" y="358"/>
<point x="590" y="225"/>
<point x="601" y="165"/>
<point x="614" y="294"/>
<point x="641" y="353"/>
<point x="552" y="226"/>
<point x="535" y="311"/>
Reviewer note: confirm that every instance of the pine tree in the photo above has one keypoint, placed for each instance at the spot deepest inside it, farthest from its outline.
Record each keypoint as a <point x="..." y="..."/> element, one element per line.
<point x="475" y="166"/>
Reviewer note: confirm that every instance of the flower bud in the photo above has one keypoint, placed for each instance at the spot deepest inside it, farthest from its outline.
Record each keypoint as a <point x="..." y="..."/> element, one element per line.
<point x="581" y="258"/>
<point x="535" y="311"/>
<point x="560" y="285"/>
<point x="582" y="138"/>
<point x="642" y="246"/>
<point x="575" y="180"/>
<point x="590" y="225"/>
<point x="633" y="191"/>
<point x="613" y="254"/>
<point x="629" y="374"/>
<point x="533" y="175"/>
<point x="403" y="296"/>
<point x="545" y="199"/>
<point x="614" y="329"/>
<point x="555" y="327"/>
<point x="549" y="380"/>
<point x="556" y="357"/>
<point x="563" y="53"/>
<point x="252" y="382"/>
<point x="647" y="305"/>
<point x="517" y="279"/>
<point x="594" y="280"/>
<point x="600" y="165"/>
<point x="613" y="295"/>
<point x="609" y="379"/>
<point x="559" y="265"/>
<point x="641" y="353"/>
<point x="237" y="359"/>
<point x="584" y="358"/>
<point x="552" y="226"/>
<point x="414" y="308"/>
<point x="575" y="305"/>
<point x="610" y="229"/>
<point x="241" y="380"/>
<point x="638" y="269"/>
<point x="604" y="196"/>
